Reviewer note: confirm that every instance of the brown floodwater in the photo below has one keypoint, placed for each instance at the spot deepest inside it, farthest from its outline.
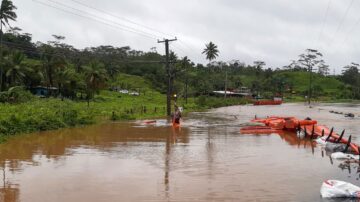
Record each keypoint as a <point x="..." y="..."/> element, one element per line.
<point x="207" y="159"/>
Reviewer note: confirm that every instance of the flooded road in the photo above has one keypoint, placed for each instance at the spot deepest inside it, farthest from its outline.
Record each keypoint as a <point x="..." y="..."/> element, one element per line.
<point x="207" y="159"/>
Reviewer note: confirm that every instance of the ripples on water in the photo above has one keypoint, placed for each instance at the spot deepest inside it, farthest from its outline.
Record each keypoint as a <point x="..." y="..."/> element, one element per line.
<point x="206" y="159"/>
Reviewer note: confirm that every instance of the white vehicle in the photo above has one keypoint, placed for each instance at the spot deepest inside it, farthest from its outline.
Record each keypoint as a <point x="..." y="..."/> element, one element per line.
<point x="124" y="91"/>
<point x="134" y="93"/>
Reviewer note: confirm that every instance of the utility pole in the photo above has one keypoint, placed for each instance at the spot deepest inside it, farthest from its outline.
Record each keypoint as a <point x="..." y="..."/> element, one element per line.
<point x="226" y="78"/>
<point x="168" y="71"/>
<point x="310" y="86"/>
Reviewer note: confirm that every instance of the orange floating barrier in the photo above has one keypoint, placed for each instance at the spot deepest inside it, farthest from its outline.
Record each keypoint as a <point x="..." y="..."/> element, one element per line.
<point x="275" y="124"/>
<point x="259" y="130"/>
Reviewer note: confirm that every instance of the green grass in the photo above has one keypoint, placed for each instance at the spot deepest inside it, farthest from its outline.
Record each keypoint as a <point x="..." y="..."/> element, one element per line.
<point x="40" y="114"/>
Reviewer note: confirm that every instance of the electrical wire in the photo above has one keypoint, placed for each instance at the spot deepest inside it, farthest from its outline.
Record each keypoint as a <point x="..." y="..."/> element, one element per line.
<point x="121" y="18"/>
<point x="104" y="19"/>
<point x="351" y="30"/>
<point x="99" y="21"/>
<point x="324" y="20"/>
<point x="343" y="19"/>
<point x="130" y="21"/>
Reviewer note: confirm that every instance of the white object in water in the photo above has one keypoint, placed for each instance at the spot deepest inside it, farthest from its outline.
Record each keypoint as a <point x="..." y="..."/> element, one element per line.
<point x="339" y="189"/>
<point x="321" y="141"/>
<point x="341" y="155"/>
<point x="335" y="147"/>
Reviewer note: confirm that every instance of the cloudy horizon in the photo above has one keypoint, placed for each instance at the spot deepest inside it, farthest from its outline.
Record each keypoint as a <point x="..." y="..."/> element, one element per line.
<point x="275" y="32"/>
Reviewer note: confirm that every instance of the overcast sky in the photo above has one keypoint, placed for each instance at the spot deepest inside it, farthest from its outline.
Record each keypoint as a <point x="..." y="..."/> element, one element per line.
<point x="275" y="31"/>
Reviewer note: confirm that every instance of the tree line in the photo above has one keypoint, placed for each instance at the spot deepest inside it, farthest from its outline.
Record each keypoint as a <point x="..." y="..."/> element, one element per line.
<point x="79" y="74"/>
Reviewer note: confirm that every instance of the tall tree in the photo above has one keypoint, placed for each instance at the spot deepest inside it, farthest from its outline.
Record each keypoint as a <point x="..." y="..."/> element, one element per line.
<point x="185" y="63"/>
<point x="351" y="76"/>
<point x="211" y="51"/>
<point x="311" y="59"/>
<point x="16" y="69"/>
<point x="323" y="69"/>
<point x="259" y="66"/>
<point x="67" y="82"/>
<point x="95" y="76"/>
<point x="7" y="13"/>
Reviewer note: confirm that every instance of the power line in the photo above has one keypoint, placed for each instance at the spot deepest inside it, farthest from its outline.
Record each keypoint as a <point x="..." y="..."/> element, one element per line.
<point x="185" y="45"/>
<point x="99" y="21"/>
<point x="104" y="19"/>
<point x="121" y="18"/>
<point x="130" y="21"/>
<point x="324" y="20"/>
<point x="351" y="30"/>
<point x="343" y="19"/>
<point x="181" y="50"/>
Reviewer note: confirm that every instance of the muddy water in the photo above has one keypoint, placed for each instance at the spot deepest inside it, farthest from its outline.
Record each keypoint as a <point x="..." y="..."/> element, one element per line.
<point x="205" y="160"/>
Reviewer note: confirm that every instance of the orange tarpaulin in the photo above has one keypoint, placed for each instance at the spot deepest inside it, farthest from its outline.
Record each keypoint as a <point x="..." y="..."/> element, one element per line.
<point x="275" y="124"/>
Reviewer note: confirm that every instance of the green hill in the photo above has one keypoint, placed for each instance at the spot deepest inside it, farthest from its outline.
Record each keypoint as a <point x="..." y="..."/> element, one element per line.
<point x="300" y="83"/>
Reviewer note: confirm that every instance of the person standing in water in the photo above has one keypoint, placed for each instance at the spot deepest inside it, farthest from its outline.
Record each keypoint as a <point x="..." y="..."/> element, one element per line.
<point x="177" y="115"/>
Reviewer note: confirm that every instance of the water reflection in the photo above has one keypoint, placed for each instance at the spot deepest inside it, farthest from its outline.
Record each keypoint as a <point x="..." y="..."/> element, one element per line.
<point x="33" y="150"/>
<point x="8" y="192"/>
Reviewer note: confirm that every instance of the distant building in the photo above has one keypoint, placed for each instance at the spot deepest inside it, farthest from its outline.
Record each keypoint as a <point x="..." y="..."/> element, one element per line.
<point x="242" y="92"/>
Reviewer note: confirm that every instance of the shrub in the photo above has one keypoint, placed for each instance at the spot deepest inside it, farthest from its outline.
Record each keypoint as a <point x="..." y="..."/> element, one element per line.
<point x="16" y="94"/>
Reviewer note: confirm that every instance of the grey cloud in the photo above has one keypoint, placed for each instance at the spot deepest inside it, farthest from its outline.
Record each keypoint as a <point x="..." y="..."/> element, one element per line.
<point x="276" y="31"/>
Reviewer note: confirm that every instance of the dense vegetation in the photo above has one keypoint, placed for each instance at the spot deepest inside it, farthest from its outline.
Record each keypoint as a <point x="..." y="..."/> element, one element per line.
<point x="87" y="81"/>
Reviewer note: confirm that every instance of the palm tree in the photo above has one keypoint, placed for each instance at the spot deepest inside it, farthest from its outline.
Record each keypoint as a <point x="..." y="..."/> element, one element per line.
<point x="6" y="14"/>
<point x="17" y="69"/>
<point x="185" y="64"/>
<point x="52" y="63"/>
<point x="67" y="82"/>
<point x="211" y="51"/>
<point x="95" y="76"/>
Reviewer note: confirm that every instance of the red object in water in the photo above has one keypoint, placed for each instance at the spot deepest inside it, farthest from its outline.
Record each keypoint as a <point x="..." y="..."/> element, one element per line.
<point x="268" y="102"/>
<point x="176" y="125"/>
<point x="150" y="121"/>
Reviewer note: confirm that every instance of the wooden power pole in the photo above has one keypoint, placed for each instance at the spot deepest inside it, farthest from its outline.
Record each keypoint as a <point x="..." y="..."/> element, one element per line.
<point x="310" y="86"/>
<point x="168" y="71"/>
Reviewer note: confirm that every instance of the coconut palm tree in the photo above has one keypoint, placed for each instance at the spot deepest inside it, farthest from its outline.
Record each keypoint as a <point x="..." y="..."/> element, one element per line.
<point x="95" y="76"/>
<point x="7" y="13"/>
<point x="67" y="82"/>
<point x="211" y="51"/>
<point x="185" y="62"/>
<point x="16" y="70"/>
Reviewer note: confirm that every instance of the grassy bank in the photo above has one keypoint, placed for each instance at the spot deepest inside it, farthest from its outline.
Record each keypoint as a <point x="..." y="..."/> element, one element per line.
<point x="40" y="114"/>
<point x="48" y="114"/>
